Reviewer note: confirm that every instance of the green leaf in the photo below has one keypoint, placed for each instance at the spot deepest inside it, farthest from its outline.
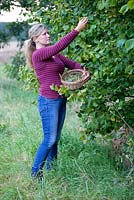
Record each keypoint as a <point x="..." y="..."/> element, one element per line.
<point x="130" y="4"/>
<point x="102" y="4"/>
<point x="129" y="44"/>
<point x="66" y="27"/>
<point x="112" y="3"/>
<point x="124" y="9"/>
<point x="121" y="42"/>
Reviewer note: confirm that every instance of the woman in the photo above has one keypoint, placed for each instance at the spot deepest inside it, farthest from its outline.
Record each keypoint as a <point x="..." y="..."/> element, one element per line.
<point x="48" y="63"/>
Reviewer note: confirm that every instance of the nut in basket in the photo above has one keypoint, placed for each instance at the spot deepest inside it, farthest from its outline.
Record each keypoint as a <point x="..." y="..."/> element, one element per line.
<point x="75" y="78"/>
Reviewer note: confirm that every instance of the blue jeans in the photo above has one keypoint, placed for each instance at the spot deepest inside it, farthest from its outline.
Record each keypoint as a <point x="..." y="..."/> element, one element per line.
<point x="52" y="112"/>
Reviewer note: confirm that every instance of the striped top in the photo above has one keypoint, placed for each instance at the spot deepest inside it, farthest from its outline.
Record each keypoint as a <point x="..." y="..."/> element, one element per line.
<point x="49" y="63"/>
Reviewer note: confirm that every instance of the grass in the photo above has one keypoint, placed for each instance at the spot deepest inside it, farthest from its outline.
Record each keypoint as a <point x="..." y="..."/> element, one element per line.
<point x="84" y="170"/>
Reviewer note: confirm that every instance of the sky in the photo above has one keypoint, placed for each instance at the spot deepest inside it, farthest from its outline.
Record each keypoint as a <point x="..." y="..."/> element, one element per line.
<point x="10" y="16"/>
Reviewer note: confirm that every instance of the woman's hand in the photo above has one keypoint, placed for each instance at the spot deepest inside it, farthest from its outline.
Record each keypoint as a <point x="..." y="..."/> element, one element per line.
<point x="82" y="24"/>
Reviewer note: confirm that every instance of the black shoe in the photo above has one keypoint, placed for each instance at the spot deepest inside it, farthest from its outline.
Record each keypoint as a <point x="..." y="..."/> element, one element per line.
<point x="37" y="176"/>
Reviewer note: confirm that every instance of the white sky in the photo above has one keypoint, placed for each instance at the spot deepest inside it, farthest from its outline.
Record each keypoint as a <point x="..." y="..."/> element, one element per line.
<point x="10" y="16"/>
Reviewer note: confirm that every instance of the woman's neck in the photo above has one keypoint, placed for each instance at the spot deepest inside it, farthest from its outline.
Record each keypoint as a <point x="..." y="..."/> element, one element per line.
<point x="38" y="45"/>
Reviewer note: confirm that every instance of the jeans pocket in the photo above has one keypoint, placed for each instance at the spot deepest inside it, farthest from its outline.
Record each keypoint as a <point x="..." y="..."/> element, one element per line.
<point x="42" y="103"/>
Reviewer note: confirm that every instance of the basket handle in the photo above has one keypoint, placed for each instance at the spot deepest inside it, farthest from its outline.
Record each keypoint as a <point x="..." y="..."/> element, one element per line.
<point x="85" y="69"/>
<point x="86" y="72"/>
<point x="60" y="76"/>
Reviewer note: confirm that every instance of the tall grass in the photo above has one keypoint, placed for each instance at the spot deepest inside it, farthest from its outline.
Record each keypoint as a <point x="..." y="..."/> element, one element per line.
<point x="84" y="171"/>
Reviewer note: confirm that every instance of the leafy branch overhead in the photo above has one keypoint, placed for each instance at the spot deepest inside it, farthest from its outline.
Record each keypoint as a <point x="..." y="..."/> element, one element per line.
<point x="27" y="4"/>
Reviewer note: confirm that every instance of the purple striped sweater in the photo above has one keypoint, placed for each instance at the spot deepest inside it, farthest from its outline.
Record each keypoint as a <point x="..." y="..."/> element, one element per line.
<point x="49" y="63"/>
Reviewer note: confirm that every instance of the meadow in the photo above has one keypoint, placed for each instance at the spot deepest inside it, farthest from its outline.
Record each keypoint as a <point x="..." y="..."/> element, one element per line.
<point x="84" y="170"/>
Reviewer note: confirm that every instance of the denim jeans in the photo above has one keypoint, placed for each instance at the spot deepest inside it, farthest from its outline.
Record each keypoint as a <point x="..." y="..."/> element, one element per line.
<point x="52" y="112"/>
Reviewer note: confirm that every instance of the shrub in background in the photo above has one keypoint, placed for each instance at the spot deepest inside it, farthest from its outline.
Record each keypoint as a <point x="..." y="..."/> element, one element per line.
<point x="12" y="69"/>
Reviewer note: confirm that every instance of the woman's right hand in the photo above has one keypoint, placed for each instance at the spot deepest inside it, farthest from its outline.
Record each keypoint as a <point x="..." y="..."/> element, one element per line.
<point x="82" y="24"/>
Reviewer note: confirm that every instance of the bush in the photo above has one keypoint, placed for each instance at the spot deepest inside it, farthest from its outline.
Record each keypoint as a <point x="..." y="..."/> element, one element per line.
<point x="12" y="70"/>
<point x="30" y="81"/>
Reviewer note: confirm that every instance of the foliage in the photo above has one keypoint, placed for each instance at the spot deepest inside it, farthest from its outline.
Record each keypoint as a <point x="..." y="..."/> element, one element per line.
<point x="29" y="79"/>
<point x="12" y="70"/>
<point x="27" y="4"/>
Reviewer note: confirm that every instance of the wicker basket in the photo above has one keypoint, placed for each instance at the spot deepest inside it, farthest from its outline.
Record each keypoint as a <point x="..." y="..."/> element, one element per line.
<point x="83" y="77"/>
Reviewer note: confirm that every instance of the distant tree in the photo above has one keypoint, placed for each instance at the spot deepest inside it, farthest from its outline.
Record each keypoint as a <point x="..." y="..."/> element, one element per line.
<point x="18" y="29"/>
<point x="4" y="34"/>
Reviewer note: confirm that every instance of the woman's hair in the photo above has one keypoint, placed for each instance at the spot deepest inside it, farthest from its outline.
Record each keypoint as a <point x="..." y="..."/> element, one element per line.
<point x="29" y="45"/>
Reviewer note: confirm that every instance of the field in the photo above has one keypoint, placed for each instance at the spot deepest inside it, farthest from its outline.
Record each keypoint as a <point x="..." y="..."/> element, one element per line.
<point x="8" y="51"/>
<point x="84" y="171"/>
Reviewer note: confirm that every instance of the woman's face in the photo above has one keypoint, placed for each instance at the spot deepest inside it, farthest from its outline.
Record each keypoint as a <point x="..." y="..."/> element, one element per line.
<point x="44" y="38"/>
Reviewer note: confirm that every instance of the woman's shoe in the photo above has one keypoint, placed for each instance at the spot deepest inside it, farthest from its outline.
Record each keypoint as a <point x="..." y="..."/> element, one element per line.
<point x="37" y="176"/>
